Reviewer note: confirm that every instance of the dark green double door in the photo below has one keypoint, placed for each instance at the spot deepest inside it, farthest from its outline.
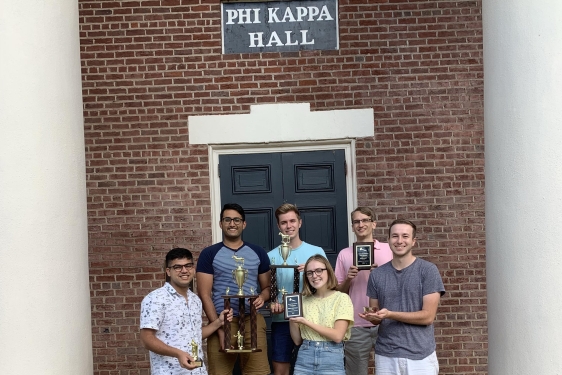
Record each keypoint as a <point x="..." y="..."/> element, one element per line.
<point x="313" y="180"/>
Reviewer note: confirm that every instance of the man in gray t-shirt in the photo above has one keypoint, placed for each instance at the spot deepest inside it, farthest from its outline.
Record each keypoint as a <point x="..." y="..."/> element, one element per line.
<point x="405" y="294"/>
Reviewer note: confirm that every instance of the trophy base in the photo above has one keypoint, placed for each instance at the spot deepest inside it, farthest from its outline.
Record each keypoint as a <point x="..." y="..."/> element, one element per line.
<point x="196" y="363"/>
<point x="233" y="351"/>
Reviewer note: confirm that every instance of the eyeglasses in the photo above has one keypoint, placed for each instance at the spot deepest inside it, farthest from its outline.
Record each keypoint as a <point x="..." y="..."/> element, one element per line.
<point x="179" y="267"/>
<point x="317" y="271"/>
<point x="362" y="221"/>
<point x="237" y="220"/>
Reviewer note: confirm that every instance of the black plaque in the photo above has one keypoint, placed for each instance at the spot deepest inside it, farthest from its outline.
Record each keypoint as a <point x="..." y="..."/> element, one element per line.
<point x="279" y="26"/>
<point x="293" y="305"/>
<point x="363" y="255"/>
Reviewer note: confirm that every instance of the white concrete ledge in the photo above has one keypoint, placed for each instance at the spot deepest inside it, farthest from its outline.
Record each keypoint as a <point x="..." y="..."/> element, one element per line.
<point x="281" y="123"/>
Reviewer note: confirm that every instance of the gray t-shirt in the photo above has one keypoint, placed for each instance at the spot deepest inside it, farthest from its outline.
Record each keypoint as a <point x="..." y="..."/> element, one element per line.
<point x="403" y="290"/>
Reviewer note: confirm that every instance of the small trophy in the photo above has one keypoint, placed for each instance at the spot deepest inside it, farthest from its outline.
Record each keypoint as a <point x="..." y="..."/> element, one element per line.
<point x="194" y="351"/>
<point x="240" y="340"/>
<point x="282" y="293"/>
<point x="239" y="274"/>
<point x="285" y="248"/>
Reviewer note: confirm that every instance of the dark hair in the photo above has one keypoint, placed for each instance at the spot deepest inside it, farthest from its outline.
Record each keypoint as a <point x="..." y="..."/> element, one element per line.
<point x="177" y="253"/>
<point x="287" y="207"/>
<point x="365" y="211"/>
<point x="403" y="221"/>
<point x="332" y="283"/>
<point x="233" y="206"/>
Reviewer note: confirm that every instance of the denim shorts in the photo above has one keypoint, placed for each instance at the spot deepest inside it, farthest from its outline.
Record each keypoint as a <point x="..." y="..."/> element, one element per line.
<point x="320" y="358"/>
<point x="281" y="342"/>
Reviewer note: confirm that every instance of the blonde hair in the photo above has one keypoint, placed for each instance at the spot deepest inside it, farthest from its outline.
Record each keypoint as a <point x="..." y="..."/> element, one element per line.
<point x="332" y="283"/>
<point x="287" y="207"/>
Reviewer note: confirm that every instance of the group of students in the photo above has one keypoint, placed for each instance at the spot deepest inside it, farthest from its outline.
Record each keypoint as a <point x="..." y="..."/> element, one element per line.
<point x="336" y="333"/>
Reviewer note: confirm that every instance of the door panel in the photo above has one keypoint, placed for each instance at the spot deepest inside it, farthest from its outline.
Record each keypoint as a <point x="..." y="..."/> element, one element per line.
<point x="314" y="181"/>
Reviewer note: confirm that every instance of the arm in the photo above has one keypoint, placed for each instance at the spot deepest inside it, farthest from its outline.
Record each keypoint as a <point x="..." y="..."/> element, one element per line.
<point x="351" y="273"/>
<point x="295" y="332"/>
<point x="335" y="334"/>
<point x="205" y="289"/>
<point x="216" y="324"/>
<point x="264" y="280"/>
<point x="424" y="317"/>
<point x="152" y="343"/>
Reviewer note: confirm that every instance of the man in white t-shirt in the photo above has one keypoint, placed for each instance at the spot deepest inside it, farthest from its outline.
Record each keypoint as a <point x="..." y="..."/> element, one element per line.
<point x="354" y="282"/>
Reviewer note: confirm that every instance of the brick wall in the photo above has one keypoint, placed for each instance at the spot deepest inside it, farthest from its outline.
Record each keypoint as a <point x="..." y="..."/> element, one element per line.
<point x="148" y="65"/>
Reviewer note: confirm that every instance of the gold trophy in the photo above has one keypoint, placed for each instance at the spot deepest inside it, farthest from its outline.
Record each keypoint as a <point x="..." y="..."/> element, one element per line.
<point x="239" y="274"/>
<point x="285" y="248"/>
<point x="194" y="351"/>
<point x="240" y="340"/>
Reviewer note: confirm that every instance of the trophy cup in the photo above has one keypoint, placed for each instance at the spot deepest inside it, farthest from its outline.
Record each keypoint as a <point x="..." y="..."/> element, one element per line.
<point x="284" y="252"/>
<point x="285" y="248"/>
<point x="194" y="353"/>
<point x="239" y="274"/>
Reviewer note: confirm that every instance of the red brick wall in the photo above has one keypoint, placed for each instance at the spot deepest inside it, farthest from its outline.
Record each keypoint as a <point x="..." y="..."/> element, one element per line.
<point x="148" y="65"/>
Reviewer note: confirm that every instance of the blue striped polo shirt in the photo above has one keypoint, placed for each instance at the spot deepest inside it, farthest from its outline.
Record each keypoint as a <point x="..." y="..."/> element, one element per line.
<point x="217" y="260"/>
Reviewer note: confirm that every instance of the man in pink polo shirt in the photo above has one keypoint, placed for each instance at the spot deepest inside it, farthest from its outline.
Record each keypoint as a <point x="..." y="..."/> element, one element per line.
<point x="354" y="282"/>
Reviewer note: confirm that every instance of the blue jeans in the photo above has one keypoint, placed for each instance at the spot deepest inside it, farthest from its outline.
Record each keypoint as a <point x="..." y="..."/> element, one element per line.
<point x="320" y="358"/>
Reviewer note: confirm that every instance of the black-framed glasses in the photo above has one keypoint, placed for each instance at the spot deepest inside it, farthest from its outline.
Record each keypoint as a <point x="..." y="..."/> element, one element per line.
<point x="236" y="220"/>
<point x="179" y="267"/>
<point x="317" y="271"/>
<point x="362" y="221"/>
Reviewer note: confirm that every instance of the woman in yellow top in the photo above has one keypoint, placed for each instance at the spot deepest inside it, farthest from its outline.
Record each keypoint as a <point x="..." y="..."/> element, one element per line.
<point x="326" y="322"/>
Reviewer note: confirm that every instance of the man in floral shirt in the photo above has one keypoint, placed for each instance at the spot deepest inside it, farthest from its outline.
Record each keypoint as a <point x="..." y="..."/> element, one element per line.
<point x="171" y="320"/>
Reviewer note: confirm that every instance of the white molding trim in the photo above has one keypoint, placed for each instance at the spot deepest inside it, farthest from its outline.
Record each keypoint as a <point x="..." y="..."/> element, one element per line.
<point x="281" y="122"/>
<point x="348" y="145"/>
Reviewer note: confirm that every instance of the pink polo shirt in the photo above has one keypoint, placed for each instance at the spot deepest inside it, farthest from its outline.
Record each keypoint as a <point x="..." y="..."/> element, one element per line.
<point x="358" y="287"/>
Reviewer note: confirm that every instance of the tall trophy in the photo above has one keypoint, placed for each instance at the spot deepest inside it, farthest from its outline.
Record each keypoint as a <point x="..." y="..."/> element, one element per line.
<point x="240" y="274"/>
<point x="284" y="252"/>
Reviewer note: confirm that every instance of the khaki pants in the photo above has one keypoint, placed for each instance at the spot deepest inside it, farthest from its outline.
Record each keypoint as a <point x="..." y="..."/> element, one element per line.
<point x="251" y="363"/>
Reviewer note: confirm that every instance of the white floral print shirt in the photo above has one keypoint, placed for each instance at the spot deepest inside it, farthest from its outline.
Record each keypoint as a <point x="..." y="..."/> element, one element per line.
<point x="177" y="321"/>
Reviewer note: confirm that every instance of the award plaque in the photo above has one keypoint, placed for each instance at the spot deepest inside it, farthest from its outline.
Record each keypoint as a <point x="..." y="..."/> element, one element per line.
<point x="363" y="255"/>
<point x="293" y="305"/>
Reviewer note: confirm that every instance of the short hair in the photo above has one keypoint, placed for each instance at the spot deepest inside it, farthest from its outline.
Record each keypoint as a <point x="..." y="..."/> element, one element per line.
<point x="332" y="283"/>
<point x="236" y="207"/>
<point x="287" y="207"/>
<point x="177" y="253"/>
<point x="365" y="211"/>
<point x="403" y="221"/>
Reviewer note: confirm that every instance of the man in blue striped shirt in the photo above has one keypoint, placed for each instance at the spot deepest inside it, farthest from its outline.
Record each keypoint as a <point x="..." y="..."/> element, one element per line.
<point x="214" y="278"/>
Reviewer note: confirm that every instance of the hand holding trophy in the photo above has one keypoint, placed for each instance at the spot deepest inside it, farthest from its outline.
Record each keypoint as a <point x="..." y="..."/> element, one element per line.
<point x="194" y="353"/>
